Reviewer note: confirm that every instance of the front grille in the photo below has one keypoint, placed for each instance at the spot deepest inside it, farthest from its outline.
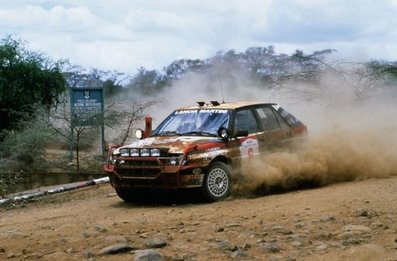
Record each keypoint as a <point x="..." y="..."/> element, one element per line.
<point x="165" y="180"/>
<point x="138" y="168"/>
<point x="138" y="173"/>
<point x="147" y="170"/>
<point x="140" y="163"/>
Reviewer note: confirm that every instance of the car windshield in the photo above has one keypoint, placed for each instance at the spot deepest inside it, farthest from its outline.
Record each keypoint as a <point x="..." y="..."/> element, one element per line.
<point x="200" y="122"/>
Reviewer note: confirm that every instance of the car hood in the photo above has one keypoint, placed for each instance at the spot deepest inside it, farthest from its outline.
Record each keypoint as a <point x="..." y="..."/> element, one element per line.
<point x="177" y="144"/>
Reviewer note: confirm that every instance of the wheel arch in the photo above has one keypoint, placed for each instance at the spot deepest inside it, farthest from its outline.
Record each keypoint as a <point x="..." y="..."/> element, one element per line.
<point x="222" y="158"/>
<point x="228" y="161"/>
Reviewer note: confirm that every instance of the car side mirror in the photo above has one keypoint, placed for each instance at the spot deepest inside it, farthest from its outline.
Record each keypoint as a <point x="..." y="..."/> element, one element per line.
<point x="224" y="133"/>
<point x="241" y="133"/>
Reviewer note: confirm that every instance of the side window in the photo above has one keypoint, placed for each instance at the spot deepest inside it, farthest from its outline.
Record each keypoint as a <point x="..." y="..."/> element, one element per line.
<point x="267" y="118"/>
<point x="245" y="120"/>
<point x="291" y="120"/>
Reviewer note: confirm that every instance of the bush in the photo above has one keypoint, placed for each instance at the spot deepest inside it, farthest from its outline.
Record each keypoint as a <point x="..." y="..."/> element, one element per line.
<point x="3" y="186"/>
<point x="24" y="150"/>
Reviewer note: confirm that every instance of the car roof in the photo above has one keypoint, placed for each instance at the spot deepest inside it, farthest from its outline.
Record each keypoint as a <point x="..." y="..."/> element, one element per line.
<point x="223" y="105"/>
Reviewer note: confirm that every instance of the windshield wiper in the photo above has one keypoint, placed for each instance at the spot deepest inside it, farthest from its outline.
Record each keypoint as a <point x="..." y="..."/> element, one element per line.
<point x="199" y="133"/>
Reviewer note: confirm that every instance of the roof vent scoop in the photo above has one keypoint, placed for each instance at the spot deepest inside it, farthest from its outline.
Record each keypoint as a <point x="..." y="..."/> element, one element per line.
<point x="201" y="103"/>
<point x="215" y="103"/>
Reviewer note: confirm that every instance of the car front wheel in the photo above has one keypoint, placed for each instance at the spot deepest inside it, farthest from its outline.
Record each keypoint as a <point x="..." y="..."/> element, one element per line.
<point x="217" y="182"/>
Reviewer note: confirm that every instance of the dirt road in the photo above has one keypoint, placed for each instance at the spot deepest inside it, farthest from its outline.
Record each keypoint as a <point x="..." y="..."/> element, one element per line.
<point x="345" y="221"/>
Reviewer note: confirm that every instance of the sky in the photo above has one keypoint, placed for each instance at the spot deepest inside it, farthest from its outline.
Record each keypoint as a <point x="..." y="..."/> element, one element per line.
<point x="124" y="35"/>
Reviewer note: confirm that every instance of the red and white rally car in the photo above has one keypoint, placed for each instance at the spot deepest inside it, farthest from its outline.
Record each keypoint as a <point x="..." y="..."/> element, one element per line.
<point x="200" y="147"/>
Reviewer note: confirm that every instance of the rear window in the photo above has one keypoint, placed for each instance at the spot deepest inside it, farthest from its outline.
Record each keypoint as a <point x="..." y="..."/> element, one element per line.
<point x="288" y="117"/>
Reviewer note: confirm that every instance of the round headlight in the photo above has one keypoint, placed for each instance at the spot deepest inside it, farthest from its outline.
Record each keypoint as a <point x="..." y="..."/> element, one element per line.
<point x="139" y="134"/>
<point x="174" y="161"/>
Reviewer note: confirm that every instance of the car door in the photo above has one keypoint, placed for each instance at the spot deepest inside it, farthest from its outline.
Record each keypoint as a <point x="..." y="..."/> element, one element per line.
<point x="246" y="146"/>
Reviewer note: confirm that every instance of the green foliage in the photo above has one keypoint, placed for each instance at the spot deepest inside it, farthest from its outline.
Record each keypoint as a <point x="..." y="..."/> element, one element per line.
<point x="262" y="64"/>
<point x="383" y="68"/>
<point x="147" y="82"/>
<point x="111" y="87"/>
<point x="179" y="68"/>
<point x="3" y="185"/>
<point x="300" y="74"/>
<point x="109" y="81"/>
<point x="24" y="150"/>
<point x="27" y="80"/>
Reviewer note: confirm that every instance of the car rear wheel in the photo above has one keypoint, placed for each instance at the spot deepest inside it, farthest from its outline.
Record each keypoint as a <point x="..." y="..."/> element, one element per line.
<point x="217" y="182"/>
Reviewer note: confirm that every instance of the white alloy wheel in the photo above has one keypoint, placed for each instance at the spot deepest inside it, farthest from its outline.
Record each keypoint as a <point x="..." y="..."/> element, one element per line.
<point x="217" y="183"/>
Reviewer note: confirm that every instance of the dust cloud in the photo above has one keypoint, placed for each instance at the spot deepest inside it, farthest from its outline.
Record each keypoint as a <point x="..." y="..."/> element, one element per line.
<point x="352" y="131"/>
<point x="223" y="83"/>
<point x="350" y="137"/>
<point x="334" y="155"/>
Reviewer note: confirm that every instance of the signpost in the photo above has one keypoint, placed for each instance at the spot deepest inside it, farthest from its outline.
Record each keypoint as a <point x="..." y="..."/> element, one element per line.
<point x="87" y="107"/>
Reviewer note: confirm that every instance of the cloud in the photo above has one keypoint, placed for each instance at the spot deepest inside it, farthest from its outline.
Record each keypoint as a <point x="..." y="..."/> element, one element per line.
<point x="58" y="19"/>
<point x="324" y="21"/>
<point x="125" y="35"/>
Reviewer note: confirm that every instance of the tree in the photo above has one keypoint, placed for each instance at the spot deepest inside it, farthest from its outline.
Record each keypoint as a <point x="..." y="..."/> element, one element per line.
<point x="259" y="60"/>
<point x="27" y="80"/>
<point x="111" y="81"/>
<point x="23" y="151"/>
<point x="119" y="117"/>
<point x="120" y="110"/>
<point x="367" y="79"/>
<point x="122" y="116"/>
<point x="146" y="81"/>
<point x="64" y="125"/>
<point x="385" y="70"/>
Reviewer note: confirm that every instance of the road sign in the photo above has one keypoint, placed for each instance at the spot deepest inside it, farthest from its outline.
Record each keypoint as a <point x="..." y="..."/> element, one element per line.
<point x="87" y="109"/>
<point x="86" y="106"/>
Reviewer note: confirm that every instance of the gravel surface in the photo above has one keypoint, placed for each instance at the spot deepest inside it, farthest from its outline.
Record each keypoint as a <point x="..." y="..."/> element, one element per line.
<point x="344" y="221"/>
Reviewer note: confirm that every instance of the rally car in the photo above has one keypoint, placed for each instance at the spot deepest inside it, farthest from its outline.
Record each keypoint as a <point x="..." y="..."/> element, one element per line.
<point x="200" y="147"/>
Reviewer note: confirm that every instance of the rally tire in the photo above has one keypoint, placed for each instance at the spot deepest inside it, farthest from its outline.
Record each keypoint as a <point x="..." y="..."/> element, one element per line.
<point x="217" y="182"/>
